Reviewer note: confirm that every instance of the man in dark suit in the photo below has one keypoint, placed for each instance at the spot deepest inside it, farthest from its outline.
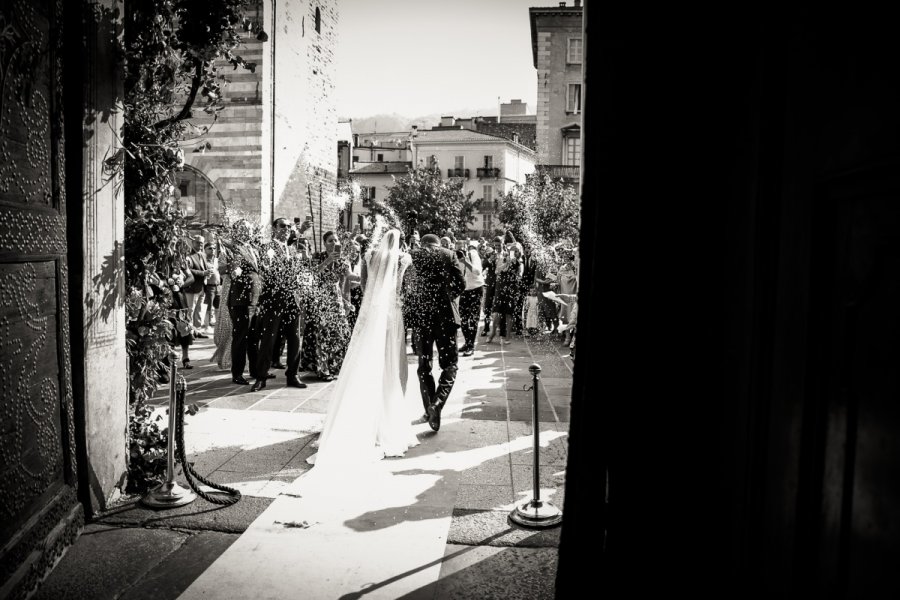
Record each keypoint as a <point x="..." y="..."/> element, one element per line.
<point x="280" y="303"/>
<point x="242" y="302"/>
<point x="434" y="281"/>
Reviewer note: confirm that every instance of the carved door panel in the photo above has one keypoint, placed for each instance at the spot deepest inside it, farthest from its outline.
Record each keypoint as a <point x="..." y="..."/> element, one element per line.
<point x="39" y="513"/>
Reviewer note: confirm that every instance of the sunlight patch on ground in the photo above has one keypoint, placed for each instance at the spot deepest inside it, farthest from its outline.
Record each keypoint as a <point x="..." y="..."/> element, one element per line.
<point x="249" y="430"/>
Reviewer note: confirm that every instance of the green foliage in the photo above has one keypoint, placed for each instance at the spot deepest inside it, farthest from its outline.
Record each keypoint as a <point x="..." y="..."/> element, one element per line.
<point x="171" y="51"/>
<point x="171" y="48"/>
<point x="147" y="446"/>
<point x="439" y="204"/>
<point x="541" y="213"/>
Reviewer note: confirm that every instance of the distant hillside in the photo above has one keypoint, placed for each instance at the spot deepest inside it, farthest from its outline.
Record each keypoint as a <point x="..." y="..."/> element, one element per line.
<point x="397" y="122"/>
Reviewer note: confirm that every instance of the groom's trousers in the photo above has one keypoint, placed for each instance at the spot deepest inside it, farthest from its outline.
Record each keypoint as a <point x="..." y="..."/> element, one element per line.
<point x="448" y="357"/>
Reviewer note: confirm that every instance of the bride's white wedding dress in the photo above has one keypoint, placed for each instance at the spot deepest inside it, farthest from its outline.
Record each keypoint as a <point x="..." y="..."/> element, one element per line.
<point x="368" y="417"/>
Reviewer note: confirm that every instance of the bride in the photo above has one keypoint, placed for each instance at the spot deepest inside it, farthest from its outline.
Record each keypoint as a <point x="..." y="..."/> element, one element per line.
<point x="367" y="418"/>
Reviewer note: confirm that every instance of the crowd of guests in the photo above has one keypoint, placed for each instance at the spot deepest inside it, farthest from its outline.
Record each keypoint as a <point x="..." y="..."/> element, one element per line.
<point x="258" y="298"/>
<point x="517" y="291"/>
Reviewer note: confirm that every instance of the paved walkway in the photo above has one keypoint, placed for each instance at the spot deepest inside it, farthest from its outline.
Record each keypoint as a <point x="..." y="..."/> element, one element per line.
<point x="395" y="529"/>
<point x="432" y="524"/>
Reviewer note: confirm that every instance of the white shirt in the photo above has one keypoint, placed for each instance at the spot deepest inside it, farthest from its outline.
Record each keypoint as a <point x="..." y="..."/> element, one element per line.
<point x="474" y="276"/>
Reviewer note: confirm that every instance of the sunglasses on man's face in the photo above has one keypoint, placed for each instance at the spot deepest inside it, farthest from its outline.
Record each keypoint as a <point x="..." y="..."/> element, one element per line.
<point x="282" y="226"/>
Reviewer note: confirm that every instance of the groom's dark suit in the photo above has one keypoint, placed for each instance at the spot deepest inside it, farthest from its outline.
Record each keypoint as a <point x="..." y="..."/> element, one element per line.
<point x="432" y="283"/>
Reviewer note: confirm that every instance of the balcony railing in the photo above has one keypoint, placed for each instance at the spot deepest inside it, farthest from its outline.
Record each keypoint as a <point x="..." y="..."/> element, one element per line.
<point x="570" y="172"/>
<point x="488" y="172"/>
<point x="458" y="173"/>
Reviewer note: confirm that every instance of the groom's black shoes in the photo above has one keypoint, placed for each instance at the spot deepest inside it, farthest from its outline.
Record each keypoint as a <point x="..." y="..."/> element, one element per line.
<point x="259" y="384"/>
<point x="434" y="416"/>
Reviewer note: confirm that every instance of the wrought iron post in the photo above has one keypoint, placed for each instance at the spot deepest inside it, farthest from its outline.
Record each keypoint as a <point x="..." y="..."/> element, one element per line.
<point x="169" y="493"/>
<point x="536" y="513"/>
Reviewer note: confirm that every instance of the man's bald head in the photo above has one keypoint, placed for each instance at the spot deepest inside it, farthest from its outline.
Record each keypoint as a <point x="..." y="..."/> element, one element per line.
<point x="430" y="238"/>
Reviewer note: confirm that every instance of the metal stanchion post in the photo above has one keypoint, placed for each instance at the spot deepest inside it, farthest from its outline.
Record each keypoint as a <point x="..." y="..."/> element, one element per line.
<point x="169" y="493"/>
<point x="536" y="513"/>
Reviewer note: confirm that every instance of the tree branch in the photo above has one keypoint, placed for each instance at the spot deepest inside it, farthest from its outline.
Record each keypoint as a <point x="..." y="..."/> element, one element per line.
<point x="189" y="103"/>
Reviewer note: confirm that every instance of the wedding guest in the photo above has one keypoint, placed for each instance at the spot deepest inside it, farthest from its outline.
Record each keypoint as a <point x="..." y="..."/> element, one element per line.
<point x="195" y="293"/>
<point x="243" y="298"/>
<point x="470" y="299"/>
<point x="327" y="331"/>
<point x="568" y="284"/>
<point x="509" y="274"/>
<point x="210" y="288"/>
<point x="414" y="240"/>
<point x="525" y="285"/>
<point x="169" y="288"/>
<point x="544" y="279"/>
<point x="281" y="306"/>
<point x="223" y="327"/>
<point x="489" y="270"/>
<point x="354" y="282"/>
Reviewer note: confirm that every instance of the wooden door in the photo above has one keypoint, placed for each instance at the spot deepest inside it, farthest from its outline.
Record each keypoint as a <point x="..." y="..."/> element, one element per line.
<point x="40" y="515"/>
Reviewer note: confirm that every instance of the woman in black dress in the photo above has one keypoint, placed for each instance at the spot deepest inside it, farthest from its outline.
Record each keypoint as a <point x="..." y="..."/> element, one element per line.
<point x="327" y="331"/>
<point x="509" y="268"/>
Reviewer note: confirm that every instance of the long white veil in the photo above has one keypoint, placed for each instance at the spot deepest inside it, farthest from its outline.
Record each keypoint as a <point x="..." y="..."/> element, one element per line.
<point x="369" y="378"/>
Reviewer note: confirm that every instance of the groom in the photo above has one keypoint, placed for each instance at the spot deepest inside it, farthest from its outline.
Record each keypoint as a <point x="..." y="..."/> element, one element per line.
<point x="433" y="281"/>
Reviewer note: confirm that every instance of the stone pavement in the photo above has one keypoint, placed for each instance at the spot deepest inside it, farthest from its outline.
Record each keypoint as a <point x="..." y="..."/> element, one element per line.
<point x="432" y="524"/>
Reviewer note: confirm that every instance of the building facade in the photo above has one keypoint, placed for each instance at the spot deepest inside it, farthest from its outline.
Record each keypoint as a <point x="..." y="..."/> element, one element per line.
<point x="488" y="165"/>
<point x="557" y="52"/>
<point x="374" y="181"/>
<point x="271" y="150"/>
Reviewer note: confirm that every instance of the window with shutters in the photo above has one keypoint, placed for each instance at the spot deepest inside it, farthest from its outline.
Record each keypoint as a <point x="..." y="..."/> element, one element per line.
<point x="575" y="51"/>
<point x="573" y="98"/>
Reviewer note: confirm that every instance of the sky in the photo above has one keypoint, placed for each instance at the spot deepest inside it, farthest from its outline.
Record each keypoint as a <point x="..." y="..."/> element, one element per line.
<point x="419" y="57"/>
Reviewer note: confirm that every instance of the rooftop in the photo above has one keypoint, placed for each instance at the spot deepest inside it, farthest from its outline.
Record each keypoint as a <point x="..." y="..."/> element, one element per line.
<point x="381" y="167"/>
<point x="460" y="135"/>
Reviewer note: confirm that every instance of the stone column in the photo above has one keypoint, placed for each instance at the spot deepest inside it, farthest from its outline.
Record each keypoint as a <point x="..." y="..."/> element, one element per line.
<point x="104" y="385"/>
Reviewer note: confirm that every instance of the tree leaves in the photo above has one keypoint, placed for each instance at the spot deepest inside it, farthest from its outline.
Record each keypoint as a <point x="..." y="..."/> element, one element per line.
<point x="439" y="204"/>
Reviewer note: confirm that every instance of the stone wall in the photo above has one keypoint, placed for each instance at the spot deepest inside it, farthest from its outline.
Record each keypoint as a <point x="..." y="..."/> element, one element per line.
<point x="233" y="161"/>
<point x="305" y="116"/>
<point x="276" y="139"/>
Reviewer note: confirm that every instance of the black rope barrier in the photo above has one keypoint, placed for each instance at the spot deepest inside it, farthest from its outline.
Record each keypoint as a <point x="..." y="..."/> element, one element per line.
<point x="189" y="473"/>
